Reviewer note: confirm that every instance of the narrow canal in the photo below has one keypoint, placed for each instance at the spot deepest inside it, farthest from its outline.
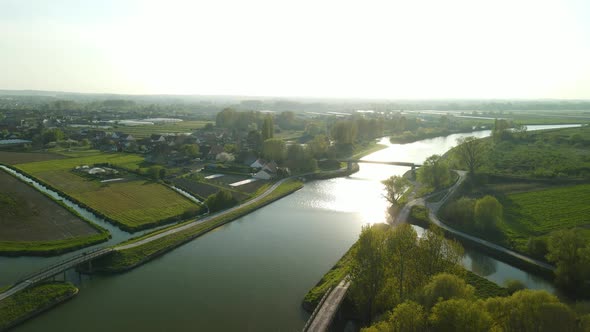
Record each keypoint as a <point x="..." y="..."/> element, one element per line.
<point x="252" y="274"/>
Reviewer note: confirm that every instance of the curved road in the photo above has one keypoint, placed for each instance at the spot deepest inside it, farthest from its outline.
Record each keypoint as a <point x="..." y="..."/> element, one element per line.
<point x="433" y="210"/>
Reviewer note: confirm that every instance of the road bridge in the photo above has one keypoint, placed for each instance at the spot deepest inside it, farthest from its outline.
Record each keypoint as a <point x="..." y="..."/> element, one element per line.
<point x="413" y="166"/>
<point x="55" y="269"/>
<point x="323" y="315"/>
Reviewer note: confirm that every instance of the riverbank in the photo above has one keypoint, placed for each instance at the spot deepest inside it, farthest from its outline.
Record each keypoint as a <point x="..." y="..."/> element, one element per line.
<point x="127" y="259"/>
<point x="33" y="301"/>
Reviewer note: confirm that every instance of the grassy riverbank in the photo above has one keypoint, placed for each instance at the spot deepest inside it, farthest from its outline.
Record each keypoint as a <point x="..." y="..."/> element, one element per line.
<point x="367" y="149"/>
<point x="127" y="259"/>
<point x="33" y="301"/>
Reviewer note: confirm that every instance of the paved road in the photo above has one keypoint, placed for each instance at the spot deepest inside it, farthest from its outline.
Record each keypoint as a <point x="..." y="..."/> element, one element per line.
<point x="200" y="221"/>
<point x="433" y="209"/>
<point x="53" y="270"/>
<point x="325" y="315"/>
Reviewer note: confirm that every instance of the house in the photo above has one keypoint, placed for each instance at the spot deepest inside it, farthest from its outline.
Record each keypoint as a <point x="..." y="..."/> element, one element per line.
<point x="157" y="138"/>
<point x="262" y="175"/>
<point x="270" y="167"/>
<point x="259" y="163"/>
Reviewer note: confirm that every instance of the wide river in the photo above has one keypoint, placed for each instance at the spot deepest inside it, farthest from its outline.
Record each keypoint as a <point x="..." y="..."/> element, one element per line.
<point x="252" y="274"/>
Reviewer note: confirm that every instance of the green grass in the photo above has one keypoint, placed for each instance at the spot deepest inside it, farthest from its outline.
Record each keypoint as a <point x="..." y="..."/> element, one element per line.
<point x="122" y="260"/>
<point x="483" y="287"/>
<point x="31" y="300"/>
<point x="135" y="204"/>
<point x="331" y="279"/>
<point x="177" y="127"/>
<point x="557" y="153"/>
<point x="538" y="213"/>
<point x="47" y="248"/>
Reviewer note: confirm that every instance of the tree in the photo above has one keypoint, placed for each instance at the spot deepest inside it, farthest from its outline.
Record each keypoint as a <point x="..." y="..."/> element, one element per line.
<point x="434" y="173"/>
<point x="569" y="252"/>
<point x="401" y="249"/>
<point x="406" y="317"/>
<point x="225" y="157"/>
<point x="267" y="128"/>
<point x="437" y="254"/>
<point x="53" y="135"/>
<point x="319" y="146"/>
<point x="190" y="150"/>
<point x="470" y="152"/>
<point x="395" y="188"/>
<point x="220" y="200"/>
<point x="274" y="149"/>
<point x="367" y="272"/>
<point x="155" y="172"/>
<point x="444" y="287"/>
<point x="488" y="212"/>
<point x="459" y="315"/>
<point x="530" y="311"/>
<point x="344" y="132"/>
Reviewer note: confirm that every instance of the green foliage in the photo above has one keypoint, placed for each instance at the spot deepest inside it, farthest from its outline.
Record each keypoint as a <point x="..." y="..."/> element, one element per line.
<point x="395" y="188"/>
<point x="488" y="212"/>
<point x="390" y="265"/>
<point x="445" y="286"/>
<point x="406" y="317"/>
<point x="155" y="172"/>
<point x="460" y="212"/>
<point x="53" y="135"/>
<point x="267" y="128"/>
<point x="344" y="132"/>
<point x="274" y="149"/>
<point x="459" y="315"/>
<point x="434" y="172"/>
<point x="220" y="200"/>
<point x="31" y="300"/>
<point x="470" y="152"/>
<point x="570" y="252"/>
<point x="513" y="286"/>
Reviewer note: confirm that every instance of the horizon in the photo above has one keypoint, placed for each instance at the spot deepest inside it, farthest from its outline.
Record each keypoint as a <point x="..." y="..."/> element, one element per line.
<point x="332" y="50"/>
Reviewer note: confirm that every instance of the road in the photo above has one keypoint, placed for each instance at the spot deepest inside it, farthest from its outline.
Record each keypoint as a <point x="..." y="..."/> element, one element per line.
<point x="53" y="270"/>
<point x="200" y="221"/>
<point x="433" y="209"/>
<point x="329" y="308"/>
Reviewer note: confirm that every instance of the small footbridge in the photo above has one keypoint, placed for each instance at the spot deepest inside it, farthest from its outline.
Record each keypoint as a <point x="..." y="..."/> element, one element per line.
<point x="55" y="269"/>
<point x="413" y="166"/>
<point x="324" y="313"/>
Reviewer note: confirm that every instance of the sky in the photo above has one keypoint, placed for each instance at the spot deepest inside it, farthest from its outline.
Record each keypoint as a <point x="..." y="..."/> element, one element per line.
<point x="410" y="49"/>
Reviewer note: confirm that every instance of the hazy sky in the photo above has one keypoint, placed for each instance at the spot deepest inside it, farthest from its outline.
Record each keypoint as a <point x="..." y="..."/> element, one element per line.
<point x="389" y="49"/>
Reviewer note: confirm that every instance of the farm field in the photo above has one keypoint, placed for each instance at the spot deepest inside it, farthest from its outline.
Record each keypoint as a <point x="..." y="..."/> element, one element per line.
<point x="133" y="204"/>
<point x="31" y="223"/>
<point x="538" y="213"/>
<point x="168" y="128"/>
<point x="11" y="158"/>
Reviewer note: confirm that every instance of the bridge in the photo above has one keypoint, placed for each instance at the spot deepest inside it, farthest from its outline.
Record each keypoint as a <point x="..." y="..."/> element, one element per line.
<point x="55" y="269"/>
<point x="324" y="313"/>
<point x="393" y="163"/>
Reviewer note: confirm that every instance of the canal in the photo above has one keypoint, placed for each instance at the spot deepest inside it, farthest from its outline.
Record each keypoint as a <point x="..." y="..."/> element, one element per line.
<point x="251" y="274"/>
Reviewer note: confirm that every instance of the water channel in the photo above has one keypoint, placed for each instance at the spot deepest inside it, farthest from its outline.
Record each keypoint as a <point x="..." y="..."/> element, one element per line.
<point x="251" y="274"/>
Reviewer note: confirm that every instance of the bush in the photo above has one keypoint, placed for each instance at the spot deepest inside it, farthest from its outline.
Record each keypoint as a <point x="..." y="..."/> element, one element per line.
<point x="460" y="211"/>
<point x="220" y="200"/>
<point x="488" y="212"/>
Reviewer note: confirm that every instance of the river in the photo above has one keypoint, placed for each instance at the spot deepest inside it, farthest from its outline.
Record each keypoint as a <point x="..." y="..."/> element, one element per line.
<point x="251" y="274"/>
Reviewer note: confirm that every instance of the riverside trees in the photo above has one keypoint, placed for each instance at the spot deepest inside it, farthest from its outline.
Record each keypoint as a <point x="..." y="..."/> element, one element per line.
<point x="390" y="265"/>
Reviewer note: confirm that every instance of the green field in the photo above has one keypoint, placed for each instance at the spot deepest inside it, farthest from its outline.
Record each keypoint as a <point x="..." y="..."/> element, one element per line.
<point x="172" y="128"/>
<point x="537" y="213"/>
<point x="32" y="300"/>
<point x="133" y="204"/>
<point x="555" y="153"/>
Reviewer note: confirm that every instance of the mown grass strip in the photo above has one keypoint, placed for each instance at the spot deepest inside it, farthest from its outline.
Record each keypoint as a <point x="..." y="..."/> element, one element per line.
<point x="127" y="259"/>
<point x="32" y="301"/>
